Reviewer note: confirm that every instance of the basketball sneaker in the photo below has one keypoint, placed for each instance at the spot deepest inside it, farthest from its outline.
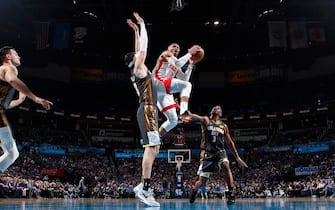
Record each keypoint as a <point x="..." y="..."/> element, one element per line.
<point x="193" y="195"/>
<point x="185" y="117"/>
<point x="230" y="198"/>
<point x="145" y="197"/>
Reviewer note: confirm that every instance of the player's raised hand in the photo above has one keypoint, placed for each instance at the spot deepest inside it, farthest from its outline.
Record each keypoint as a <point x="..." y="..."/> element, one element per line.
<point x="132" y="24"/>
<point x="138" y="18"/>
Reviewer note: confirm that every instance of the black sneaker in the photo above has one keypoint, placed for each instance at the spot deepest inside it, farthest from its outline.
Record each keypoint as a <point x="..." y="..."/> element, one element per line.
<point x="185" y="117"/>
<point x="193" y="195"/>
<point x="230" y="198"/>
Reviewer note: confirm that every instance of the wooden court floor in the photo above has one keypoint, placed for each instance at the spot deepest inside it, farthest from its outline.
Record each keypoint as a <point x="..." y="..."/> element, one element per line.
<point x="180" y="204"/>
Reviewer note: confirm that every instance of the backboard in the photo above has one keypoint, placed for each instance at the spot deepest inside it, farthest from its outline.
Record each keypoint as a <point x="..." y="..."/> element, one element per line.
<point x="179" y="154"/>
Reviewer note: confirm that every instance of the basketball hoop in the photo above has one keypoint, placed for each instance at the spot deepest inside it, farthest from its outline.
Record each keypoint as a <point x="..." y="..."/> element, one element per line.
<point x="179" y="160"/>
<point x="179" y="154"/>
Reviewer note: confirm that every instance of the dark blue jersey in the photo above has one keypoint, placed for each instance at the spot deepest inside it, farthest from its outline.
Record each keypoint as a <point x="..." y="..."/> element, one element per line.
<point x="214" y="137"/>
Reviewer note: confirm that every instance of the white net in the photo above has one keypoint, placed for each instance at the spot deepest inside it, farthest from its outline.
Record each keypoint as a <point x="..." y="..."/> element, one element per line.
<point x="178" y="164"/>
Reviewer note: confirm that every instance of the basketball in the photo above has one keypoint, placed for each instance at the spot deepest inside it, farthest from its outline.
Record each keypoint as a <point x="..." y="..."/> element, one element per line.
<point x="198" y="56"/>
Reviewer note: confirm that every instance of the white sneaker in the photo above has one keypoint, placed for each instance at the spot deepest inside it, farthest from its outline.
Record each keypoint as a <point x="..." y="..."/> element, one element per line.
<point x="145" y="196"/>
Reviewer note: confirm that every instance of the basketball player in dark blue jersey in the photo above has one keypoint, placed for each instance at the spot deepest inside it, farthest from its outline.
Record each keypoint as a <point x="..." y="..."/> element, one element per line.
<point x="147" y="114"/>
<point x="214" y="158"/>
<point x="9" y="82"/>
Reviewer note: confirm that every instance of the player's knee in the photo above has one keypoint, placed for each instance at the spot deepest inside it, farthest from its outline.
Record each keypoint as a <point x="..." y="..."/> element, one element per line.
<point x="203" y="180"/>
<point x="225" y="165"/>
<point x="186" y="90"/>
<point x="189" y="85"/>
<point x="153" y="151"/>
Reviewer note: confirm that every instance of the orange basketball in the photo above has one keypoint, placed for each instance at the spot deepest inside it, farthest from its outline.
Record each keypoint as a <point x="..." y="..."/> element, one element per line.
<point x="198" y="56"/>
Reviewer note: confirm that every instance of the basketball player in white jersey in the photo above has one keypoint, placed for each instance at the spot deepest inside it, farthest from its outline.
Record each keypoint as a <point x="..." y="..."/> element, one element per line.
<point x="168" y="79"/>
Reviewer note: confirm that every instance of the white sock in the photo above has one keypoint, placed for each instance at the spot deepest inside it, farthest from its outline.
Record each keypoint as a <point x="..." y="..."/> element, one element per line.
<point x="183" y="106"/>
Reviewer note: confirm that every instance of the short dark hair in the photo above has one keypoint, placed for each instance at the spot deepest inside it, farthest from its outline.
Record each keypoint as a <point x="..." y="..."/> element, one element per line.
<point x="128" y="58"/>
<point x="4" y="51"/>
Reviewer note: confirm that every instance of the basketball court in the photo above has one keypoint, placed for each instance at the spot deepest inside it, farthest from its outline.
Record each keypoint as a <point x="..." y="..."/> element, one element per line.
<point x="243" y="204"/>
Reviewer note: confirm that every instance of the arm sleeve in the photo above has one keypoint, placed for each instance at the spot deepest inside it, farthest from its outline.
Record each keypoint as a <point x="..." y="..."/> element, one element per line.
<point x="182" y="60"/>
<point x="185" y="75"/>
<point x="172" y="59"/>
<point x="143" y="38"/>
<point x="188" y="72"/>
